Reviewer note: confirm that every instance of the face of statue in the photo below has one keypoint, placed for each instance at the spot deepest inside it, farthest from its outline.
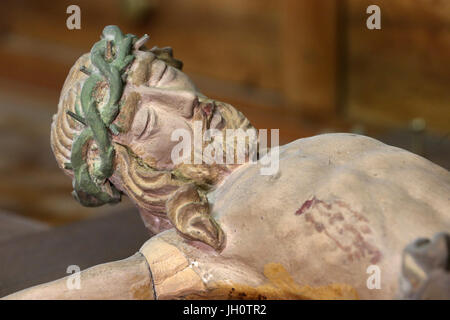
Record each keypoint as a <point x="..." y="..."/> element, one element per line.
<point x="168" y="100"/>
<point x="157" y="99"/>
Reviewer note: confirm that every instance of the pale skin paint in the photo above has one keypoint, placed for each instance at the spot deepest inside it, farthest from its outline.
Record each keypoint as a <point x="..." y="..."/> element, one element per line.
<point x="169" y="101"/>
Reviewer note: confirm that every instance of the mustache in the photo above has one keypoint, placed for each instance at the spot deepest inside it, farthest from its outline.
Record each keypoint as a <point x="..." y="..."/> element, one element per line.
<point x="231" y="117"/>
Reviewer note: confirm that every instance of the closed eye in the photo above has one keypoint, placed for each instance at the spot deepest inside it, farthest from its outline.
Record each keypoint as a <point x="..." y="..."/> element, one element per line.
<point x="140" y="122"/>
<point x="162" y="73"/>
<point x="144" y="122"/>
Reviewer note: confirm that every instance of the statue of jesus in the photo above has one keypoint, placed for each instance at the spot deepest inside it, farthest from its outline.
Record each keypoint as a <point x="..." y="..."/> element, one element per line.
<point x="332" y="220"/>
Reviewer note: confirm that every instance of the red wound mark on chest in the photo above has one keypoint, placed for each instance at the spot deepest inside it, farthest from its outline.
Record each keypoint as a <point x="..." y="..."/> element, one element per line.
<point x="347" y="228"/>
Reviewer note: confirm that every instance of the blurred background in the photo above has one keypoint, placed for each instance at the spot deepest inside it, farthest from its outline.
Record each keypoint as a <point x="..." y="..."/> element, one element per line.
<point x="303" y="66"/>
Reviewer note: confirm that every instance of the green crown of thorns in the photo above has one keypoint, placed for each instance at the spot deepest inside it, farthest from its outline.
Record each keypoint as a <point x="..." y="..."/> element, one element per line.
<point x="109" y="58"/>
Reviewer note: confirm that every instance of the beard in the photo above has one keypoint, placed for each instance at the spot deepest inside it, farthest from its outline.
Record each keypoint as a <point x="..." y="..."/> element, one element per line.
<point x="138" y="179"/>
<point x="222" y="117"/>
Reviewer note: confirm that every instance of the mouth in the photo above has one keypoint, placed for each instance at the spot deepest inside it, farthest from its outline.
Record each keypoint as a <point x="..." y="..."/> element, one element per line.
<point x="217" y="120"/>
<point x="210" y="113"/>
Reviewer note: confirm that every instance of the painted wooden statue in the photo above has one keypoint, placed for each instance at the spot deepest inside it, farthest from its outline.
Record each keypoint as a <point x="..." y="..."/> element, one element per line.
<point x="342" y="216"/>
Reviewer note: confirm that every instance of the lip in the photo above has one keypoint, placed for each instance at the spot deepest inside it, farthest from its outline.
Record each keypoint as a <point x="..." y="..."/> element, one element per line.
<point x="207" y="109"/>
<point x="211" y="114"/>
<point x="217" y="120"/>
